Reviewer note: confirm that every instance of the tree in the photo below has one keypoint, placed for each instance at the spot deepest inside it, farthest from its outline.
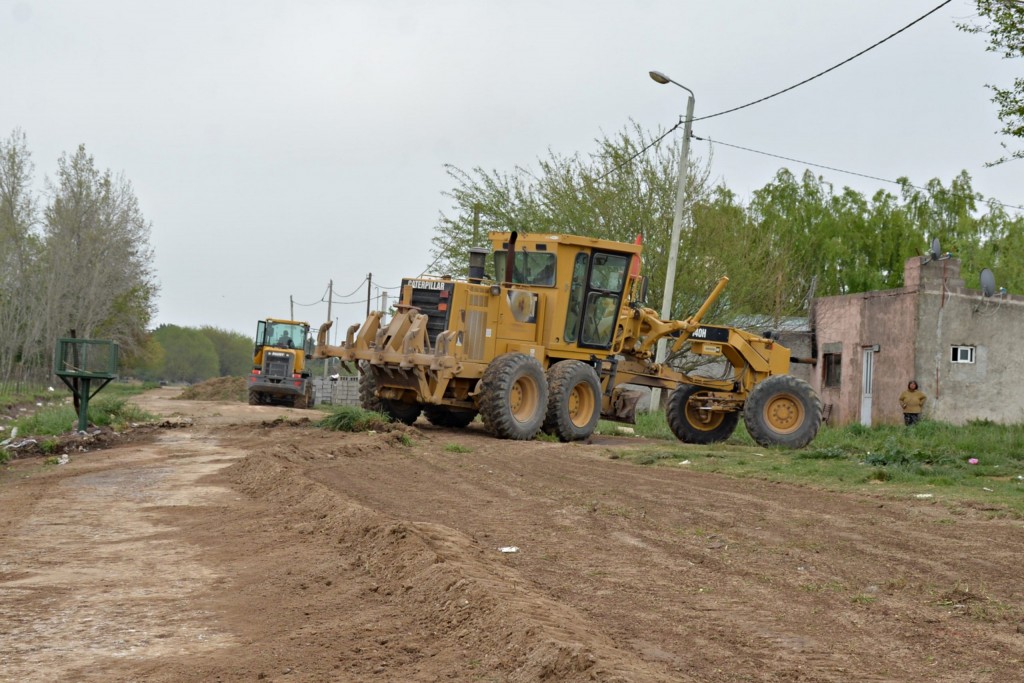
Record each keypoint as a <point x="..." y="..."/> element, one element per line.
<point x="18" y="249"/>
<point x="608" y="194"/>
<point x="1003" y="21"/>
<point x="189" y="355"/>
<point x="96" y="256"/>
<point x="234" y="351"/>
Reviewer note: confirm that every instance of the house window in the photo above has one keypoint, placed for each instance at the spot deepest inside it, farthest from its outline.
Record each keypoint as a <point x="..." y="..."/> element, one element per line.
<point x="833" y="364"/>
<point x="962" y="354"/>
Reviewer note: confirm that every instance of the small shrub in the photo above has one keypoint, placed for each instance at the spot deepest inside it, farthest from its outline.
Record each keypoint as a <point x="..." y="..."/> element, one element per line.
<point x="49" y="446"/>
<point x="353" y="419"/>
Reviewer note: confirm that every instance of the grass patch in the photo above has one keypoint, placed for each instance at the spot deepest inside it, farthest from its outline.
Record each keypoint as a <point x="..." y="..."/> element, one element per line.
<point x="106" y="411"/>
<point x="931" y="458"/>
<point x="457" y="448"/>
<point x="353" y="419"/>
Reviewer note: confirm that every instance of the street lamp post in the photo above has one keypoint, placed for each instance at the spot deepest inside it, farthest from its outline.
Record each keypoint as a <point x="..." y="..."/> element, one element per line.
<point x="677" y="224"/>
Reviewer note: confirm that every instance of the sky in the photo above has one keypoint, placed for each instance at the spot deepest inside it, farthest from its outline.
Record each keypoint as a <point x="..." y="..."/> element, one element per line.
<point x="277" y="145"/>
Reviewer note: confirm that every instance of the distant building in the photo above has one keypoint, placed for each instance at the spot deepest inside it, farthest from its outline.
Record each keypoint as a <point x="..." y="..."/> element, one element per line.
<point x="959" y="345"/>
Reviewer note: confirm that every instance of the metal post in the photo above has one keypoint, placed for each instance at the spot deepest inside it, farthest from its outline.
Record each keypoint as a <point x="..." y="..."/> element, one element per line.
<point x="677" y="226"/>
<point x="291" y="307"/>
<point x="369" y="283"/>
<point x="330" y="298"/>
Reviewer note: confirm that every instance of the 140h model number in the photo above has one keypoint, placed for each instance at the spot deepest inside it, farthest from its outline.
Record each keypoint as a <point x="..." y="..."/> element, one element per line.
<point x="720" y="334"/>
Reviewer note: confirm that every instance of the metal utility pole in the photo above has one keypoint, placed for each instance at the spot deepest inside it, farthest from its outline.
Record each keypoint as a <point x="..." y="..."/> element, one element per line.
<point x="369" y="283"/>
<point x="291" y="307"/>
<point x="330" y="298"/>
<point x="384" y="304"/>
<point x="677" y="224"/>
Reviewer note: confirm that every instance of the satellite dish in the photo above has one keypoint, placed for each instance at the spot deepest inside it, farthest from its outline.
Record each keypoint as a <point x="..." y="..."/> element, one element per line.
<point x="988" y="282"/>
<point x="935" y="248"/>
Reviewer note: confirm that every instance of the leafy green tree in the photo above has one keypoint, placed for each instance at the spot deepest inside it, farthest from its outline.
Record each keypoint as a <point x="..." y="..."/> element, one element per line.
<point x="95" y="256"/>
<point x="234" y="351"/>
<point x="1003" y="22"/>
<point x="612" y="193"/>
<point x="19" y="248"/>
<point x="189" y="355"/>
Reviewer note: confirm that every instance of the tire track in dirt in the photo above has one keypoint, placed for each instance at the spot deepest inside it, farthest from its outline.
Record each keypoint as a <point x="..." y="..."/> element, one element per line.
<point x="89" y="574"/>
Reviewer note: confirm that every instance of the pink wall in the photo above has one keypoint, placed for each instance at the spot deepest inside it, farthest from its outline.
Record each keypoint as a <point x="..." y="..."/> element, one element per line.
<point x="853" y="322"/>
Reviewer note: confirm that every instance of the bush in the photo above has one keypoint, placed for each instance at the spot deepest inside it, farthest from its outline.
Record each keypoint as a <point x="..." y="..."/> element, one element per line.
<point x="353" y="419"/>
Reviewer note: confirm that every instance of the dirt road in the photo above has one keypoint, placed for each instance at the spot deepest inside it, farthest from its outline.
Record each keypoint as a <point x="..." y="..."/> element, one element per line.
<point x="242" y="547"/>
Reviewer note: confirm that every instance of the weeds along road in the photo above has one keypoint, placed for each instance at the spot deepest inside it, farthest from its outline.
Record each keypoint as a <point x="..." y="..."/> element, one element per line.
<point x="245" y="547"/>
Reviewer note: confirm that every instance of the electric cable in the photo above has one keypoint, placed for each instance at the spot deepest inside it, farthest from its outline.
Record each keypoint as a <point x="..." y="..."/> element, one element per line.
<point x="831" y="68"/>
<point x="840" y="170"/>
<point x="641" y="151"/>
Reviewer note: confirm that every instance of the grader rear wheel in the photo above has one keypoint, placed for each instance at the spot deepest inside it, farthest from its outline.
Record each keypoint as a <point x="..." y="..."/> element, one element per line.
<point x="574" y="401"/>
<point x="782" y="411"/>
<point x="691" y="423"/>
<point x="513" y="396"/>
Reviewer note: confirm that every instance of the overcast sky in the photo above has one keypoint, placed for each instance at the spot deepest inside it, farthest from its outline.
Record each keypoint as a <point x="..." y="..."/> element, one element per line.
<point x="276" y="145"/>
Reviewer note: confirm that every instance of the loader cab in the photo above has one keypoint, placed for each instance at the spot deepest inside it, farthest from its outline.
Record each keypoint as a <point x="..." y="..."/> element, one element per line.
<point x="283" y="334"/>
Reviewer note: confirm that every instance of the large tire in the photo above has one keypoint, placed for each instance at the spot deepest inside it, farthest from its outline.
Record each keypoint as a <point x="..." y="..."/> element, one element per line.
<point x="255" y="398"/>
<point x="690" y="424"/>
<point x="783" y="411"/>
<point x="513" y="397"/>
<point x="574" y="401"/>
<point x="444" y="416"/>
<point x="405" y="413"/>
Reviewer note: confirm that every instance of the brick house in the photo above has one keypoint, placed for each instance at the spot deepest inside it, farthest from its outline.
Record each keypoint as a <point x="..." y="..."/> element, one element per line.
<point x="960" y="345"/>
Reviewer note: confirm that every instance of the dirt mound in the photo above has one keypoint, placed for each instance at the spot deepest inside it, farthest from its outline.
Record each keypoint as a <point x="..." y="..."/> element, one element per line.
<point x="473" y="604"/>
<point x="217" y="389"/>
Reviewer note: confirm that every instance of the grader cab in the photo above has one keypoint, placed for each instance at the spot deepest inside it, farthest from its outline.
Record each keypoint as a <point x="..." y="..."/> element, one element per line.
<point x="557" y="339"/>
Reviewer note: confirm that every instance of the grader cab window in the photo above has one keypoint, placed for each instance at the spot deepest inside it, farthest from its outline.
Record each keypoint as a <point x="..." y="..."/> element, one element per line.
<point x="535" y="268"/>
<point x="595" y="298"/>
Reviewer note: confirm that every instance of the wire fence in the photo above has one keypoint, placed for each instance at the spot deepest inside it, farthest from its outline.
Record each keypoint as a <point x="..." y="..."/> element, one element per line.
<point x="26" y="380"/>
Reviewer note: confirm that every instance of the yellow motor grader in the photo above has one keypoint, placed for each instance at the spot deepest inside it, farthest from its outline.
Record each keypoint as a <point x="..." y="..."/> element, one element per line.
<point x="559" y="339"/>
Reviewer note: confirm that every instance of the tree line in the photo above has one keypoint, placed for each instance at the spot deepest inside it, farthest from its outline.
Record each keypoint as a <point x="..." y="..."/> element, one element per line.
<point x="189" y="354"/>
<point x="74" y="257"/>
<point x="798" y="237"/>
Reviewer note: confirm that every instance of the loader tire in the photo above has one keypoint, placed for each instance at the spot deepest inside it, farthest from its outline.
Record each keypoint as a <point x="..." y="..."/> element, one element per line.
<point x="513" y="397"/>
<point x="574" y="401"/>
<point x="782" y="411"/>
<point x="690" y="424"/>
<point x="255" y="399"/>
<point x="443" y="416"/>
<point x="405" y="413"/>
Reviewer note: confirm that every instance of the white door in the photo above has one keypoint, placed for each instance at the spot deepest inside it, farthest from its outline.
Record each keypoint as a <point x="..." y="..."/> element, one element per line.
<point x="867" y="378"/>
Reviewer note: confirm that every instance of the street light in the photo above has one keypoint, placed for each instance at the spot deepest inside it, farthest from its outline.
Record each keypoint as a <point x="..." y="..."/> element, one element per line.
<point x="677" y="224"/>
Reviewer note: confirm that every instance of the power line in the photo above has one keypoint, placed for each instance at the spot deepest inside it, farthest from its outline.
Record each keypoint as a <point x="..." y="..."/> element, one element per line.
<point x="315" y="303"/>
<point x="642" y="150"/>
<point x="840" y="170"/>
<point x="832" y="68"/>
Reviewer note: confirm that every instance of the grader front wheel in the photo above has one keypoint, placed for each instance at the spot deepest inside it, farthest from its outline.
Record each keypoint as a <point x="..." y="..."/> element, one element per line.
<point x="691" y="421"/>
<point x="782" y="411"/>
<point x="513" y="396"/>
